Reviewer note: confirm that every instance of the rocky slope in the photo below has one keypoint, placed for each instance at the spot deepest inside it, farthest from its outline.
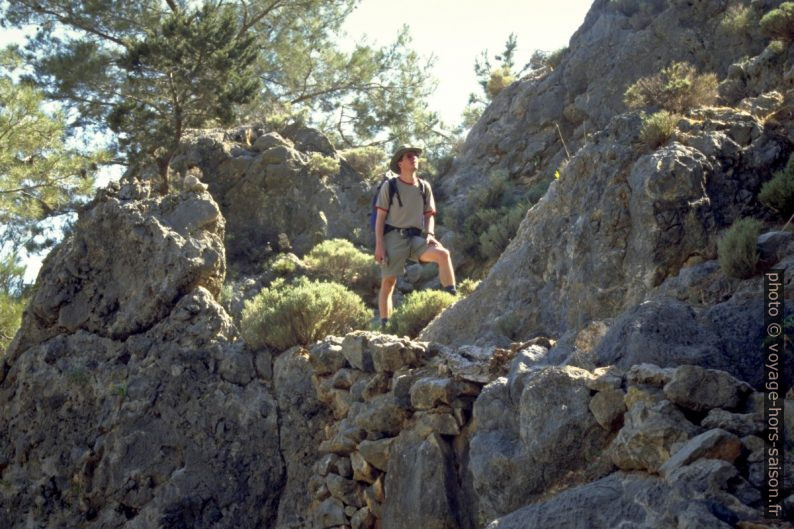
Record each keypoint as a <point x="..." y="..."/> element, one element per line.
<point x="605" y="374"/>
<point x="622" y="218"/>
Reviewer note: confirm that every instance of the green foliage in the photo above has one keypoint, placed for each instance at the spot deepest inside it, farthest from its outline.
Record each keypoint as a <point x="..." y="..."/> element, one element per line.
<point x="737" y="19"/>
<point x="539" y="189"/>
<point x="492" y="79"/>
<point x="188" y="71"/>
<point x="499" y="80"/>
<point x="226" y="294"/>
<point x="40" y="178"/>
<point x="323" y="166"/>
<point x="498" y="192"/>
<point x="778" y="193"/>
<point x="148" y="69"/>
<point x="492" y="216"/>
<point x="300" y="313"/>
<point x="11" y="308"/>
<point x="467" y="286"/>
<point x="737" y="249"/>
<point x="417" y="310"/>
<point x="369" y="161"/>
<point x="13" y="298"/>
<point x="657" y="128"/>
<point x="498" y="234"/>
<point x="339" y="261"/>
<point x="779" y="23"/>
<point x="282" y="265"/>
<point x="554" y="58"/>
<point x="675" y="88"/>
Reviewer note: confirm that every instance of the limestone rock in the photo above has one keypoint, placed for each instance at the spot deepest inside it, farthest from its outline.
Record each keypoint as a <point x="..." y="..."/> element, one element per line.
<point x="429" y="391"/>
<point x="650" y="374"/>
<point x="125" y="266"/>
<point x="421" y="486"/>
<point x="382" y="415"/>
<point x="741" y="424"/>
<point x="548" y="428"/>
<point x="649" y="436"/>
<point x="147" y="423"/>
<point x="664" y="209"/>
<point x="608" y="408"/>
<point x="267" y="189"/>
<point x="712" y="444"/>
<point x="327" y="358"/>
<point x="376" y="452"/>
<point x="701" y="389"/>
<point x="330" y="513"/>
<point x="362" y="471"/>
<point x="302" y="422"/>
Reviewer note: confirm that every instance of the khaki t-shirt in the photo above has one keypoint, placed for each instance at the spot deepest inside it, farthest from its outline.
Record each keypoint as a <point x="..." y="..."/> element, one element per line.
<point x="411" y="214"/>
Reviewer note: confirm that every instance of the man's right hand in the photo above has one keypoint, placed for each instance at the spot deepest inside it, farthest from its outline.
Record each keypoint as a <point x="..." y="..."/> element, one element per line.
<point x="380" y="254"/>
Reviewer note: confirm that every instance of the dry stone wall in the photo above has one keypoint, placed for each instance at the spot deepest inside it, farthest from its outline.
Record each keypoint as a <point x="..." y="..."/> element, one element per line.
<point x="426" y="436"/>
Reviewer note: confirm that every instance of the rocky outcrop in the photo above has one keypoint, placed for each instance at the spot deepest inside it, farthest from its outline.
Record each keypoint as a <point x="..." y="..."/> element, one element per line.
<point x="617" y="223"/>
<point x="131" y="258"/>
<point x="266" y="185"/>
<point x="127" y="400"/>
<point x="522" y="131"/>
<point x="418" y="441"/>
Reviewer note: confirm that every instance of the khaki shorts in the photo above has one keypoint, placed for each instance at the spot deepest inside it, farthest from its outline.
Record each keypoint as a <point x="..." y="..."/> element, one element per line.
<point x="398" y="250"/>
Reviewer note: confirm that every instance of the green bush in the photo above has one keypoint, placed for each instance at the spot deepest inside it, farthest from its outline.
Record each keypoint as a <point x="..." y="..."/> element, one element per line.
<point x="300" y="313"/>
<point x="367" y="161"/>
<point x="11" y="309"/>
<point x="323" y="166"/>
<point x="500" y="79"/>
<point x="778" y="193"/>
<point x="499" y="234"/>
<point x="467" y="286"/>
<point x="417" y="310"/>
<point x="283" y="265"/>
<point x="779" y="23"/>
<point x="676" y="88"/>
<point x="498" y="191"/>
<point x="736" y="19"/>
<point x="737" y="249"/>
<point x="658" y="128"/>
<point x="339" y="261"/>
<point x="539" y="189"/>
<point x="554" y="58"/>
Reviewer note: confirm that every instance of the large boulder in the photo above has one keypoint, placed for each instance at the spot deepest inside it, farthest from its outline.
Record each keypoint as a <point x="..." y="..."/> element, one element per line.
<point x="128" y="399"/>
<point x="145" y="432"/>
<point x="129" y="260"/>
<point x="540" y="420"/>
<point x="266" y="185"/>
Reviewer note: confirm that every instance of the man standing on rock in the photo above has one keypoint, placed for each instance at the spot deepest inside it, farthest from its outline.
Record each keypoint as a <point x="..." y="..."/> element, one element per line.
<point x="404" y="229"/>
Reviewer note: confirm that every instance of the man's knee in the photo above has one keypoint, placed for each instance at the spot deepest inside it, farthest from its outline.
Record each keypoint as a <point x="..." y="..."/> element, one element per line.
<point x="436" y="254"/>
<point x="387" y="283"/>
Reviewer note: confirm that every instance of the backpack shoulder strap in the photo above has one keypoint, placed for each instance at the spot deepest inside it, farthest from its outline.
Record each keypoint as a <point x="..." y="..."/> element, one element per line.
<point x="423" y="186"/>
<point x="394" y="191"/>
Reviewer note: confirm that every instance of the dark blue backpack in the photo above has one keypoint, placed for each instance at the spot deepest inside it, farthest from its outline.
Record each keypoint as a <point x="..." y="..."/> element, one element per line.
<point x="392" y="183"/>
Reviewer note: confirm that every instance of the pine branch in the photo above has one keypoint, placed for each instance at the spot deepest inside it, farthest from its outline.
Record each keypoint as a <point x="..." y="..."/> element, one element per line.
<point x="70" y="20"/>
<point x="248" y="24"/>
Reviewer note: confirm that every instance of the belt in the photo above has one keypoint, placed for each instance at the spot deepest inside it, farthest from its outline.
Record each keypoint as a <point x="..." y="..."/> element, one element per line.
<point x="405" y="232"/>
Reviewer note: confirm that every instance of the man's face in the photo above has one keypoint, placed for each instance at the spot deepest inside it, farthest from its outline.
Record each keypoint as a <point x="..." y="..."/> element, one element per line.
<point x="410" y="160"/>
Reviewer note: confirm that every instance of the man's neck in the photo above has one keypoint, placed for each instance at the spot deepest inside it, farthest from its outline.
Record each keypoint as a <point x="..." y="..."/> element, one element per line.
<point x="408" y="178"/>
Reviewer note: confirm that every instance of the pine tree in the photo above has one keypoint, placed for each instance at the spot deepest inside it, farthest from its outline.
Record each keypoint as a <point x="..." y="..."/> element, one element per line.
<point x="148" y="69"/>
<point x="40" y="177"/>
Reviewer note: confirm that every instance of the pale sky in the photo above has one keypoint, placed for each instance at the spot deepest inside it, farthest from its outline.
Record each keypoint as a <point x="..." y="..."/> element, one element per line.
<point x="456" y="31"/>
